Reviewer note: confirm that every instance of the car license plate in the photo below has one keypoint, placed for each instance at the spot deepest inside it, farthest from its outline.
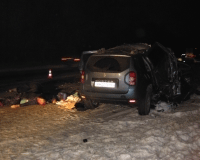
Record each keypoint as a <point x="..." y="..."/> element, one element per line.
<point x="105" y="84"/>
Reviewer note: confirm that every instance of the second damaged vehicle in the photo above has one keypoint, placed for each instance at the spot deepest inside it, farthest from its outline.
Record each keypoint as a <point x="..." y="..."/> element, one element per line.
<point x="136" y="74"/>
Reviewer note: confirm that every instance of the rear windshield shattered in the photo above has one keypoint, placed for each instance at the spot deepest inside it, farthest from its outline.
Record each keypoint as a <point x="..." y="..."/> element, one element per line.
<point x="108" y="63"/>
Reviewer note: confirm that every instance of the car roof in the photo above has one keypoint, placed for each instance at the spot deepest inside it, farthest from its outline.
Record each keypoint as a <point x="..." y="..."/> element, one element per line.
<point x="127" y="49"/>
<point x="88" y="52"/>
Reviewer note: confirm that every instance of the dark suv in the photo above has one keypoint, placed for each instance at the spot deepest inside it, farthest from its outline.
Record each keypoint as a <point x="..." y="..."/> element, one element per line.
<point x="137" y="74"/>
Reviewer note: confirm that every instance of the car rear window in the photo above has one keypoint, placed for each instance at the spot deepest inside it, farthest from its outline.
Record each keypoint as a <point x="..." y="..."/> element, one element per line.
<point x="108" y="63"/>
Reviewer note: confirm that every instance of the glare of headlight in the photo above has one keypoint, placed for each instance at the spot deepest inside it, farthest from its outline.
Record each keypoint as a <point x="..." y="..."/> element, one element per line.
<point x="180" y="59"/>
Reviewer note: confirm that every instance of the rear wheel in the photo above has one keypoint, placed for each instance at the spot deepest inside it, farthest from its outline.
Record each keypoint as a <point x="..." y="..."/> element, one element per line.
<point x="90" y="104"/>
<point x="145" y="103"/>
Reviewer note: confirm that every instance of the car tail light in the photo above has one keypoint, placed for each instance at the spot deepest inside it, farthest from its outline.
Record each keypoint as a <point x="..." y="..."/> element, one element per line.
<point x="132" y="78"/>
<point x="132" y="100"/>
<point x="82" y="76"/>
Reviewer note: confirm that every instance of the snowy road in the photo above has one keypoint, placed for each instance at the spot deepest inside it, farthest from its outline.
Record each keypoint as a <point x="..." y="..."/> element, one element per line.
<point x="108" y="132"/>
<point x="15" y="78"/>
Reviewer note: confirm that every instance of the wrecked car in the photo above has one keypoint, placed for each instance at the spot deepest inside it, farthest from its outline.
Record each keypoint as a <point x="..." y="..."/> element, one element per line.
<point x="134" y="74"/>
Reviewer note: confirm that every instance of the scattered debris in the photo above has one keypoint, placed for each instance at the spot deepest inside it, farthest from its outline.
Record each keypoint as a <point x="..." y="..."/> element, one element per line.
<point x="66" y="105"/>
<point x="30" y="101"/>
<point x="163" y="107"/>
<point x="15" y="106"/>
<point x="41" y="101"/>
<point x="54" y="101"/>
<point x="74" y="97"/>
<point x="13" y="90"/>
<point x="70" y="102"/>
<point x="62" y="96"/>
<point x="24" y="100"/>
<point x="1" y="104"/>
<point x="8" y="101"/>
<point x="80" y="106"/>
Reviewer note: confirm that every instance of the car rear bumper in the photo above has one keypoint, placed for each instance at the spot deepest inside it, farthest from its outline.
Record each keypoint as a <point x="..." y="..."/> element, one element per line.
<point x="111" y="98"/>
<point x="114" y="101"/>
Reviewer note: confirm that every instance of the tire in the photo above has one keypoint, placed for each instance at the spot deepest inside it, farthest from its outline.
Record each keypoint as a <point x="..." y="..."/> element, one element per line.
<point x="145" y="103"/>
<point x="90" y="104"/>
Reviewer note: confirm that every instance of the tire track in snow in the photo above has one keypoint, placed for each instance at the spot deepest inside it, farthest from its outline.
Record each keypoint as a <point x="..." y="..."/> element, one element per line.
<point x="110" y="111"/>
<point x="121" y="113"/>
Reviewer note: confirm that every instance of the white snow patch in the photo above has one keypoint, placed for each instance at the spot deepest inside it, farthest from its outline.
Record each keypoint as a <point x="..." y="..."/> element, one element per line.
<point x="125" y="157"/>
<point x="194" y="96"/>
<point x="121" y="134"/>
<point x="163" y="107"/>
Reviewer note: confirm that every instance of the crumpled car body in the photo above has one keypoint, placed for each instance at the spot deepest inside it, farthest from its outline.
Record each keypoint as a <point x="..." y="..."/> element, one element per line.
<point x="166" y="76"/>
<point x="139" y="74"/>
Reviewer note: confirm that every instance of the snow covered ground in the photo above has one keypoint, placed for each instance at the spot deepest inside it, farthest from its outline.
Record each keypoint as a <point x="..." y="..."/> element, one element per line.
<point x="112" y="132"/>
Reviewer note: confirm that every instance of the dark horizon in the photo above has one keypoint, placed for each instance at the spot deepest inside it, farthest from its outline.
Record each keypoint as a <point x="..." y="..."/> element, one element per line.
<point x="68" y="28"/>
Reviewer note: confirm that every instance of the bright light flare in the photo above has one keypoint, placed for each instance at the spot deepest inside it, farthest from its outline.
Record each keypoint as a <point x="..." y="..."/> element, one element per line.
<point x="132" y="100"/>
<point x="66" y="58"/>
<point x="180" y="59"/>
<point x="76" y="59"/>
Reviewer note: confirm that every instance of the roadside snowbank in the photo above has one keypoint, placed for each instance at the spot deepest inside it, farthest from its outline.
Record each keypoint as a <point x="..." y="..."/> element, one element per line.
<point x="124" y="135"/>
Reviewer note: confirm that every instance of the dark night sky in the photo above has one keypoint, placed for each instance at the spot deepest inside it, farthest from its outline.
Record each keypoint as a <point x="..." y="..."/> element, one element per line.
<point x="68" y="27"/>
